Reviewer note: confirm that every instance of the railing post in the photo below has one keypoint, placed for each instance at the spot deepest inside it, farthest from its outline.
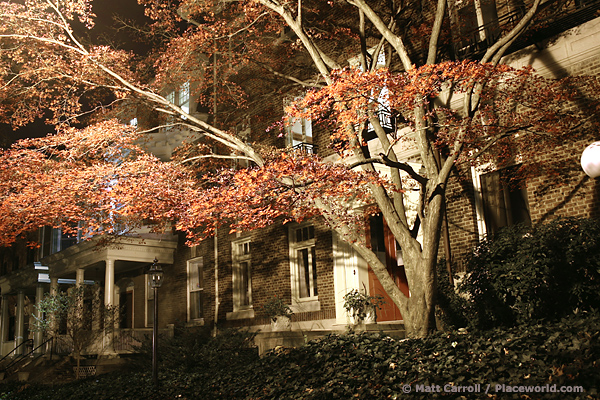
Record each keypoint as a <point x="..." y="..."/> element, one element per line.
<point x="20" y="323"/>
<point x="3" y="323"/>
<point x="38" y="336"/>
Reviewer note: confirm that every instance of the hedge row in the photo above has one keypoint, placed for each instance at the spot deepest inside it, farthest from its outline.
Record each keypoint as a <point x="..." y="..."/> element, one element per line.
<point x="528" y="273"/>
<point x="561" y="355"/>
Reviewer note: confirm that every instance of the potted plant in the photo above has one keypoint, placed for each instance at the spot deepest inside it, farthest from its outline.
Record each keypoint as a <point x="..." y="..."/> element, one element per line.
<point x="362" y="307"/>
<point x="279" y="313"/>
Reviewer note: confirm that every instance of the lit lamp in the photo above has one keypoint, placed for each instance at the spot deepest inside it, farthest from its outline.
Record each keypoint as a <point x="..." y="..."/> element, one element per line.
<point x="590" y="160"/>
<point x="156" y="278"/>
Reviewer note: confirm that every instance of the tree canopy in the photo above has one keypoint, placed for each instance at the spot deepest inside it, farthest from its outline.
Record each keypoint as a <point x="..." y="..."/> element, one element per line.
<point x="240" y="59"/>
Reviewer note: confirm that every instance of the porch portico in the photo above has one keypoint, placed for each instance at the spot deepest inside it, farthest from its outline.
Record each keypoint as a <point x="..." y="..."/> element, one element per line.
<point x="113" y="266"/>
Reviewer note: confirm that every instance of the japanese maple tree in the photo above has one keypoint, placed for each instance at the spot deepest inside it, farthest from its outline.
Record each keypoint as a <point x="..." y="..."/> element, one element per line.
<point x="239" y="56"/>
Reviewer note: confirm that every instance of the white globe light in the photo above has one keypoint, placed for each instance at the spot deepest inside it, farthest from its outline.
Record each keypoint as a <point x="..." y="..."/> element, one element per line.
<point x="590" y="160"/>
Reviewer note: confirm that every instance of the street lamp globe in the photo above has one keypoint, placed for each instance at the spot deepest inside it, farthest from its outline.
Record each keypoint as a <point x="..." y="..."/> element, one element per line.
<point x="156" y="275"/>
<point x="590" y="160"/>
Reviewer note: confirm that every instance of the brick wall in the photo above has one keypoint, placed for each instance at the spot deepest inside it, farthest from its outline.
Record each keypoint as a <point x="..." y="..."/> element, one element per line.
<point x="174" y="288"/>
<point x="461" y="217"/>
<point x="270" y="276"/>
<point x="570" y="193"/>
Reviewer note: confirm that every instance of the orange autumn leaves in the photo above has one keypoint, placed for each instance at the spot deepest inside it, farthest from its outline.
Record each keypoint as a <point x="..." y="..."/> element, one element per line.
<point x="509" y="112"/>
<point x="100" y="176"/>
<point x="97" y="175"/>
<point x="289" y="185"/>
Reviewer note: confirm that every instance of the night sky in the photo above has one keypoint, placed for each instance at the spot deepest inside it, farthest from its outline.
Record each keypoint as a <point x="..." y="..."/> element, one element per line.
<point x="105" y="11"/>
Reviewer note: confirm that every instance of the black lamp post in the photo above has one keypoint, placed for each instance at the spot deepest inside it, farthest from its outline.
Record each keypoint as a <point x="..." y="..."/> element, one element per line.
<point x="156" y="278"/>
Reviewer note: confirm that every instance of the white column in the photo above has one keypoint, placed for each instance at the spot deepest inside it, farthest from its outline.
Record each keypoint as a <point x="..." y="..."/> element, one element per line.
<point x="20" y="321"/>
<point x="79" y="276"/>
<point x="109" y="283"/>
<point x="3" y="324"/>
<point x="109" y="300"/>
<point x="117" y="301"/>
<point x="53" y="286"/>
<point x="38" y="336"/>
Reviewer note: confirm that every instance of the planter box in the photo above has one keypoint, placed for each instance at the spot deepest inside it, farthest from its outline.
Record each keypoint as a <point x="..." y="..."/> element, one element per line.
<point x="281" y="323"/>
<point x="370" y="318"/>
<point x="23" y="376"/>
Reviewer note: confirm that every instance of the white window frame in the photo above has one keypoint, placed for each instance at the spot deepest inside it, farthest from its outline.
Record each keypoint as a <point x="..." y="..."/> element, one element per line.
<point x="302" y="304"/>
<point x="300" y="131"/>
<point x="238" y="258"/>
<point x="181" y="97"/>
<point x="184" y="97"/>
<point x="195" y="284"/>
<point x="383" y="98"/>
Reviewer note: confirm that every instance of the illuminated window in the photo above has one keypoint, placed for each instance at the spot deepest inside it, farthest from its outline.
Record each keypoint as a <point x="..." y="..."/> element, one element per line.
<point x="242" y="275"/>
<point x="504" y="200"/>
<point x="299" y="135"/>
<point x="181" y="98"/>
<point x="303" y="262"/>
<point x="195" y="289"/>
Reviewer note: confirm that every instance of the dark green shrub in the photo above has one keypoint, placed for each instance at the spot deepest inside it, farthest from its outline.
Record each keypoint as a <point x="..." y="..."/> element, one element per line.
<point x="452" y="309"/>
<point x="194" y="349"/>
<point x="373" y="366"/>
<point x="525" y="274"/>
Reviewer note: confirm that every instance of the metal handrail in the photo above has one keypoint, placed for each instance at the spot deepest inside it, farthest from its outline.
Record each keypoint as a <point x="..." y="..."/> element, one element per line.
<point x="303" y="147"/>
<point x="470" y="43"/>
<point x="19" y="356"/>
<point x="51" y="339"/>
<point x="15" y="349"/>
<point x="30" y="353"/>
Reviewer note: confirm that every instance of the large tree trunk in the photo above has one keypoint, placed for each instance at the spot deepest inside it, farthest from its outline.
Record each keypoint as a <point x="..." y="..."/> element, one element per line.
<point x="418" y="311"/>
<point x="420" y="318"/>
<point x="421" y="274"/>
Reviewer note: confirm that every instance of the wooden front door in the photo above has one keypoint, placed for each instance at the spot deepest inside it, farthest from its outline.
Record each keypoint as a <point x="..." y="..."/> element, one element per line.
<point x="382" y="242"/>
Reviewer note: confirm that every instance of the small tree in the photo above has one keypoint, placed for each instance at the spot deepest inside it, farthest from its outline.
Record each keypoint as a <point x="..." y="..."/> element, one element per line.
<point x="455" y="112"/>
<point x="85" y="323"/>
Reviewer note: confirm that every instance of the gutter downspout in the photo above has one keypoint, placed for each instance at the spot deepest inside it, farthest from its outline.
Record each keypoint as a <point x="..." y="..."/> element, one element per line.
<point x="445" y="231"/>
<point x="217" y="301"/>
<point x="447" y="248"/>
<point x="216" y="238"/>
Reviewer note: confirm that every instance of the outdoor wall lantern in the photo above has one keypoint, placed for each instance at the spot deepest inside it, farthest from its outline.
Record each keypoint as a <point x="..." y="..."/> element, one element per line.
<point x="156" y="275"/>
<point x="156" y="278"/>
<point x="590" y="160"/>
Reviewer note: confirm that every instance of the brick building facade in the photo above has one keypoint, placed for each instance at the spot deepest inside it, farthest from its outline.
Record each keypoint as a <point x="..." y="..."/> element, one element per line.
<point x="568" y="194"/>
<point x="224" y="281"/>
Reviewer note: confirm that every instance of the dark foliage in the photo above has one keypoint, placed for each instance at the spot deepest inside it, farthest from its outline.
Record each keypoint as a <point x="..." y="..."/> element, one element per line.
<point x="371" y="366"/>
<point x="194" y="349"/>
<point x="524" y="274"/>
<point x="452" y="309"/>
